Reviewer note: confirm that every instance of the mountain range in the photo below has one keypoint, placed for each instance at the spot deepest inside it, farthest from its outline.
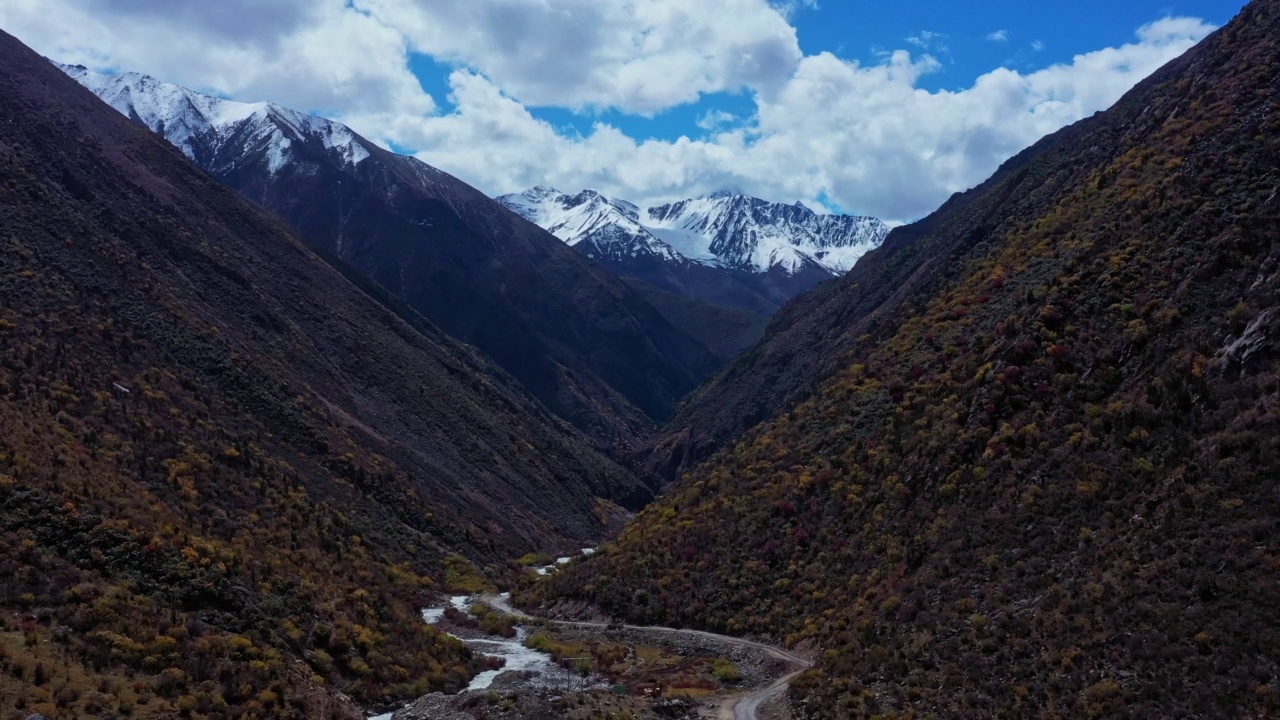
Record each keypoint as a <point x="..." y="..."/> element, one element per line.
<point x="267" y="390"/>
<point x="587" y="345"/>
<point x="231" y="469"/>
<point x="1022" y="460"/>
<point x="726" y="248"/>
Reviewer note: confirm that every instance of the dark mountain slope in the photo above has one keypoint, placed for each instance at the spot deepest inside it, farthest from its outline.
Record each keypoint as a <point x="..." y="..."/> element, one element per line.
<point x="726" y="330"/>
<point x="714" y="286"/>
<point x="225" y="470"/>
<point x="1040" y="473"/>
<point x="816" y="334"/>
<point x="576" y="336"/>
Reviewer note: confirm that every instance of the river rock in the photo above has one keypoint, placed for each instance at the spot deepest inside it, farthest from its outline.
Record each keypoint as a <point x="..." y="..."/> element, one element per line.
<point x="436" y="706"/>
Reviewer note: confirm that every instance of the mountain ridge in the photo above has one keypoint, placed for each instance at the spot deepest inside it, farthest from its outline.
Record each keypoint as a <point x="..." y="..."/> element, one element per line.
<point x="232" y="473"/>
<point x="768" y="252"/>
<point x="585" y="344"/>
<point x="187" y="118"/>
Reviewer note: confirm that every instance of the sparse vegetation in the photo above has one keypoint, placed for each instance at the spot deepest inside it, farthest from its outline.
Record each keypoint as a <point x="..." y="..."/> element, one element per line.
<point x="1034" y="477"/>
<point x="231" y="476"/>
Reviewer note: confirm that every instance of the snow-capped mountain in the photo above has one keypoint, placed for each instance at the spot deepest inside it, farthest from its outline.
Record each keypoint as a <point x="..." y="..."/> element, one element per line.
<point x="600" y="227"/>
<point x="586" y="343"/>
<point x="202" y="125"/>
<point x="727" y="229"/>
<point x="746" y="232"/>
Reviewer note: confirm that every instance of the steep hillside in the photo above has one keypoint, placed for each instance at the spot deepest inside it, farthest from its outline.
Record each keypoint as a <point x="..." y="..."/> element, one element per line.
<point x="227" y="472"/>
<point x="819" y="332"/>
<point x="1036" y="471"/>
<point x="586" y="345"/>
<point x="726" y="330"/>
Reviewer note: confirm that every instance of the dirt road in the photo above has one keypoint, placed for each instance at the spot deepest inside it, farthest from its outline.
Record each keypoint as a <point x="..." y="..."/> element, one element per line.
<point x="737" y="707"/>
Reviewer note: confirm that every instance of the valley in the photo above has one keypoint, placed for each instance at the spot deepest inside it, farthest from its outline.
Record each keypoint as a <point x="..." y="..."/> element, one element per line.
<point x="648" y="671"/>
<point x="1013" y="463"/>
<point x="294" y="424"/>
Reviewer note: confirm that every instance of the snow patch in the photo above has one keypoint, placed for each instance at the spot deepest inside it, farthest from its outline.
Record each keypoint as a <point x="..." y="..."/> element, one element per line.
<point x="611" y="226"/>
<point x="725" y="229"/>
<point x="194" y="121"/>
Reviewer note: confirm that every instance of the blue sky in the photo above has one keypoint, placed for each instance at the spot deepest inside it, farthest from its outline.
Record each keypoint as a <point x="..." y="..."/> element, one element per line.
<point x="872" y="108"/>
<point x="968" y="39"/>
<point x="855" y="29"/>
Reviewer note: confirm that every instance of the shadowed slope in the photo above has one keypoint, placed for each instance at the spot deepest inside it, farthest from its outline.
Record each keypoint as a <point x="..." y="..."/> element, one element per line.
<point x="578" y="338"/>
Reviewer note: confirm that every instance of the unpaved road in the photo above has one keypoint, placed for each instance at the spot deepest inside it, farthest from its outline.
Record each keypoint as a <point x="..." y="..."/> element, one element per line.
<point x="742" y="707"/>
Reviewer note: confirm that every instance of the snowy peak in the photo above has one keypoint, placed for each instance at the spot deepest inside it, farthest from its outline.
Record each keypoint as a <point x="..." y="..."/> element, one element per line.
<point x="202" y="126"/>
<point x="601" y="227"/>
<point x="748" y="232"/>
<point x="595" y="201"/>
<point x="725" y="229"/>
<point x="571" y="216"/>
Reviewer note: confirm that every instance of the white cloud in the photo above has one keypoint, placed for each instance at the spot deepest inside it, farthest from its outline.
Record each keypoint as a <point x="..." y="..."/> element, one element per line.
<point x="998" y="36"/>
<point x="1165" y="29"/>
<point x="933" y="43"/>
<point x="863" y="135"/>
<point x="313" y="54"/>
<point x="789" y="8"/>
<point x="824" y="130"/>
<point x="716" y="119"/>
<point x="925" y="39"/>
<point x="1037" y="45"/>
<point x="641" y="57"/>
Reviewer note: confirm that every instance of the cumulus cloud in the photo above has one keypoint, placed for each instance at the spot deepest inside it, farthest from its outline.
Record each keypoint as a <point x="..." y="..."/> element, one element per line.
<point x="824" y="130"/>
<point x="311" y="54"/>
<point x="865" y="136"/>
<point x="640" y="57"/>
<point x="998" y="36"/>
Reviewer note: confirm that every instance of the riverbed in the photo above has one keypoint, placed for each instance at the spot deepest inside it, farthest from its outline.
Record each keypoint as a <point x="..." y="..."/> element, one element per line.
<point x="533" y="669"/>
